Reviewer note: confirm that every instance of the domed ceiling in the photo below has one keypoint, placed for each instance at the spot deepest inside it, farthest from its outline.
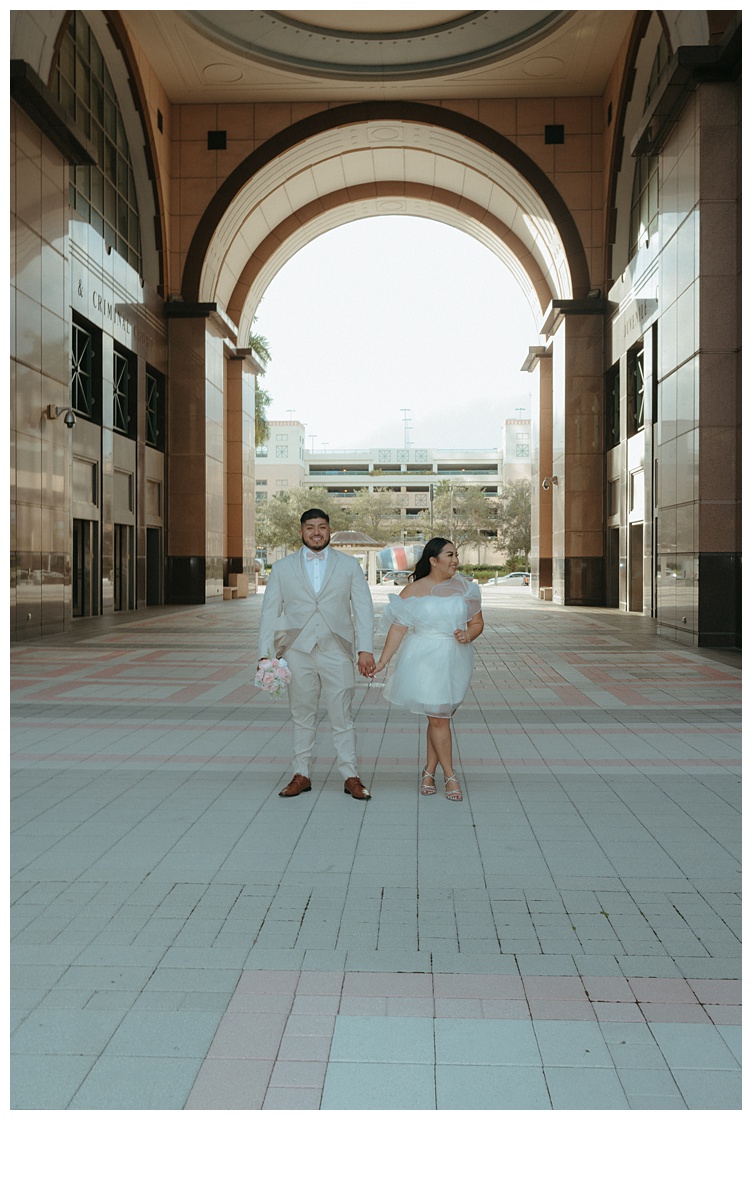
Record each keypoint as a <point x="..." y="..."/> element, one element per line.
<point x="397" y="45"/>
<point x="336" y="55"/>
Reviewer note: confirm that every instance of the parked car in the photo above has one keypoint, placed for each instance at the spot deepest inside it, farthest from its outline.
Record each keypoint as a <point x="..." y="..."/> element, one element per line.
<point x="513" y="579"/>
<point x="400" y="578"/>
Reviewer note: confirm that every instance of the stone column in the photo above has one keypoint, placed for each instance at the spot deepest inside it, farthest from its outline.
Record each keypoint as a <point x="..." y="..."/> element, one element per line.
<point x="240" y="496"/>
<point x="577" y="521"/>
<point x="541" y="499"/>
<point x="195" y="438"/>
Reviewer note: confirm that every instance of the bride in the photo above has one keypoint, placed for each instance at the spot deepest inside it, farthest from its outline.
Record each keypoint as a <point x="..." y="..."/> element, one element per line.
<point x="440" y="613"/>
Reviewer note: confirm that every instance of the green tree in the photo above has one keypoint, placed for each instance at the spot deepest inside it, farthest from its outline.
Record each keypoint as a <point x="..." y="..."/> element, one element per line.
<point x="261" y="351"/>
<point x="463" y="514"/>
<point x="375" y="513"/>
<point x="278" y="518"/>
<point x="514" y="519"/>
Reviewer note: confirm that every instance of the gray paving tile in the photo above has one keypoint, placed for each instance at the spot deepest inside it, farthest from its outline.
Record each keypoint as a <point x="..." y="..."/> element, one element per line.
<point x="693" y="1047"/>
<point x="474" y="1042"/>
<point x="491" y="1087"/>
<point x="64" y="1031"/>
<point x="137" y="1083"/>
<point x="382" y="1040"/>
<point x="585" y="1088"/>
<point x="378" y="1085"/>
<point x="46" y="1081"/>
<point x="571" y="1044"/>
<point x="163" y="1035"/>
<point x="710" y="1089"/>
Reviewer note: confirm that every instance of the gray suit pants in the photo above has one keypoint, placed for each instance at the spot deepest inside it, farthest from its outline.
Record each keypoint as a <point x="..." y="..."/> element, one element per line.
<point x="322" y="673"/>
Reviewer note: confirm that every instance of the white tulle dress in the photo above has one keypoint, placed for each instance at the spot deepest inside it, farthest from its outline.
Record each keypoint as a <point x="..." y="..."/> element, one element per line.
<point x="433" y="669"/>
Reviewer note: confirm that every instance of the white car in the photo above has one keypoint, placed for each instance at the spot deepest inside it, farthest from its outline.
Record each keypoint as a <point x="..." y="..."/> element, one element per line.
<point x="514" y="579"/>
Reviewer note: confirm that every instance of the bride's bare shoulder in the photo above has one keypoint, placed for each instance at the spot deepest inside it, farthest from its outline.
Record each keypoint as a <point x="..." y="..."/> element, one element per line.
<point x="412" y="589"/>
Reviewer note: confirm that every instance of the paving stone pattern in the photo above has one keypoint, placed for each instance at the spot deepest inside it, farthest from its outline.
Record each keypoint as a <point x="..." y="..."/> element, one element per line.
<point x="567" y="937"/>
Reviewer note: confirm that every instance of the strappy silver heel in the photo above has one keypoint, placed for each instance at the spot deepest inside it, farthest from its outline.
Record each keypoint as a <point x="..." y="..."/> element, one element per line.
<point x="427" y="789"/>
<point x="453" y="793"/>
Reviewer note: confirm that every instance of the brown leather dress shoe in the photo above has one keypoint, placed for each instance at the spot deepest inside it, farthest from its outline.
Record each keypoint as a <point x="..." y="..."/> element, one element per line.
<point x="298" y="784"/>
<point x="357" y="789"/>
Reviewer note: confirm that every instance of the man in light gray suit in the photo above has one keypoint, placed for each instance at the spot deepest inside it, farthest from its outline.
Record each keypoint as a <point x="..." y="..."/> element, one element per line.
<point x="318" y="615"/>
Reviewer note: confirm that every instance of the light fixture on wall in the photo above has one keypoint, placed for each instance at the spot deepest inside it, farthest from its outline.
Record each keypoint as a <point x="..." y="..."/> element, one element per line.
<point x="55" y="410"/>
<point x="546" y="484"/>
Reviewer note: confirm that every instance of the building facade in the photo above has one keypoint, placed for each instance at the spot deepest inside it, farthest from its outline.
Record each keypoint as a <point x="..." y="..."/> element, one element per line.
<point x="166" y="164"/>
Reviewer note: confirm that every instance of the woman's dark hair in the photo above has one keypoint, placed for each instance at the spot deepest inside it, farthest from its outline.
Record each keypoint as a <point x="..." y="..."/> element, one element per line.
<point x="314" y="514"/>
<point x="431" y="550"/>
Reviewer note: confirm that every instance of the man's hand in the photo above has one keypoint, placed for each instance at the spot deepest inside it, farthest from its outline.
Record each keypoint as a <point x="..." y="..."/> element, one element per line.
<point x="366" y="663"/>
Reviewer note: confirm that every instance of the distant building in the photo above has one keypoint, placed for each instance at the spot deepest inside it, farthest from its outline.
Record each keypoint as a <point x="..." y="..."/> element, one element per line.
<point x="280" y="462"/>
<point x="516" y="455"/>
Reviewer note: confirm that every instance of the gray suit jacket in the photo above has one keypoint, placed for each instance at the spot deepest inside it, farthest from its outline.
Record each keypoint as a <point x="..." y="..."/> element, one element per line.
<point x="292" y="613"/>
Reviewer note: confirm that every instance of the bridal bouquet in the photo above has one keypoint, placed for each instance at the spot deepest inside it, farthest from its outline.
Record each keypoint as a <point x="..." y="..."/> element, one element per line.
<point x="273" y="676"/>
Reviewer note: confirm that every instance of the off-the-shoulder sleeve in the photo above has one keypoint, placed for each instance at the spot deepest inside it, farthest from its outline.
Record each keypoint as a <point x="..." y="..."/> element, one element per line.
<point x="397" y="612"/>
<point x="473" y="600"/>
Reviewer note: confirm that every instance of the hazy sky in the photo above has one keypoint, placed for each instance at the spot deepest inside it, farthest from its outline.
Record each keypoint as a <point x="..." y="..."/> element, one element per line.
<point x="388" y="313"/>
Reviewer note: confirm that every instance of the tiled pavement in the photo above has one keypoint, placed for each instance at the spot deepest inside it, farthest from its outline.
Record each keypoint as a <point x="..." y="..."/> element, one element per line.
<point x="566" y="938"/>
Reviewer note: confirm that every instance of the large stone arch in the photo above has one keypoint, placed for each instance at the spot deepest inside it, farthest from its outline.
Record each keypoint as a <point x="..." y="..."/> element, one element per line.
<point x="343" y="163"/>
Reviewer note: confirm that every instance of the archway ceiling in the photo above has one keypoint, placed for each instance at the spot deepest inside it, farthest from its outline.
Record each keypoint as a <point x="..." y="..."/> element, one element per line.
<point x="348" y="171"/>
<point x="219" y="56"/>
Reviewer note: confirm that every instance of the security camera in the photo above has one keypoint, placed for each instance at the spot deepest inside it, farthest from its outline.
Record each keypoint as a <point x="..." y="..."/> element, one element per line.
<point x="70" y="418"/>
<point x="546" y="484"/>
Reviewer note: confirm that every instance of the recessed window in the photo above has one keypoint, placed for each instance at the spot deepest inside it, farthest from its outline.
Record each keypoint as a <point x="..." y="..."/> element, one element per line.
<point x="103" y="194"/>
<point x="124" y="392"/>
<point x="155" y="409"/>
<point x="636" y="388"/>
<point x="86" y="371"/>
<point x="613" y="409"/>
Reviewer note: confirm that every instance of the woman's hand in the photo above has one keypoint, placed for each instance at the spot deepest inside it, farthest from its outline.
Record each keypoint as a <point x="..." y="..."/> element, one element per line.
<point x="462" y="636"/>
<point x="379" y="666"/>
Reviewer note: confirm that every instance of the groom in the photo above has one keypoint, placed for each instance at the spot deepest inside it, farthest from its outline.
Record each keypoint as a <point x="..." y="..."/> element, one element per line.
<point x="318" y="614"/>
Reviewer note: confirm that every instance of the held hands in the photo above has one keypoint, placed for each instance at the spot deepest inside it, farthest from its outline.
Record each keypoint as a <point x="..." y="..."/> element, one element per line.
<point x="366" y="664"/>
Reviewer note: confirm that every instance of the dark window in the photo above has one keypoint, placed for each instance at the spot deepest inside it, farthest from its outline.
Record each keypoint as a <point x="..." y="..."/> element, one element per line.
<point x="124" y="392"/>
<point x="554" y="135"/>
<point x="86" y="380"/>
<point x="643" y="220"/>
<point x="613" y="409"/>
<point x="636" y="388"/>
<point x="105" y="194"/>
<point x="155" y="409"/>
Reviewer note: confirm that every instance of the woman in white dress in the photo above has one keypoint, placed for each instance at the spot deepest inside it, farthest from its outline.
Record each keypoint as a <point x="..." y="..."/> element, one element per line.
<point x="439" y="611"/>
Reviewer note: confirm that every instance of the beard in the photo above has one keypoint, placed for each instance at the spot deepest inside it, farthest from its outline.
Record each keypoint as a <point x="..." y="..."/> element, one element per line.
<point x="316" y="545"/>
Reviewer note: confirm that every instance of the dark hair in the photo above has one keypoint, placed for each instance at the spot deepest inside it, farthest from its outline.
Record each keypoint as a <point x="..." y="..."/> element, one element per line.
<point x="431" y="550"/>
<point x="312" y="514"/>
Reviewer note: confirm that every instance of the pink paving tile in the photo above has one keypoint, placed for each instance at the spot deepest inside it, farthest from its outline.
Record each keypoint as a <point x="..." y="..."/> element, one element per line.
<point x="724" y="1014"/>
<point x="363" y="1006"/>
<point x="662" y="991"/>
<point x="482" y="987"/>
<point x="409" y="1006"/>
<point x="230" y="1084"/>
<point x="607" y="987"/>
<point x="325" y="1005"/>
<point x="294" y="1073"/>
<point x="279" y="1002"/>
<point x="292" y="1098"/>
<point x="684" y="1014"/>
<point x="305" y="1049"/>
<point x="553" y="987"/>
<point x="506" y="1010"/>
<point x="310" y="1025"/>
<point x="386" y="983"/>
<point x="607" y="1011"/>
<point x="267" y="982"/>
<point x="452" y="1007"/>
<point x="561" y="1010"/>
<point x="717" y="991"/>
<point x="320" y="983"/>
<point x="248" y="1035"/>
